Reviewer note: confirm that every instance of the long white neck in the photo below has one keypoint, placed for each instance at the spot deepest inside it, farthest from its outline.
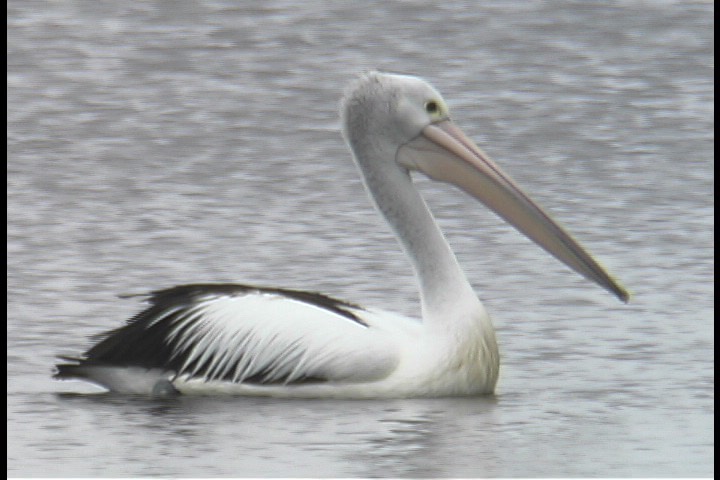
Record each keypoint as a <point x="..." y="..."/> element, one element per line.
<point x="443" y="286"/>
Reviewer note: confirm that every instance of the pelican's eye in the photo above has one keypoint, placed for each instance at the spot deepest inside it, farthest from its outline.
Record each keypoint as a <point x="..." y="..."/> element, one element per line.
<point x="432" y="107"/>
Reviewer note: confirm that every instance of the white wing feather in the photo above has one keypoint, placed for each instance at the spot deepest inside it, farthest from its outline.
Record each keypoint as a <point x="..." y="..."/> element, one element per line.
<point x="280" y="339"/>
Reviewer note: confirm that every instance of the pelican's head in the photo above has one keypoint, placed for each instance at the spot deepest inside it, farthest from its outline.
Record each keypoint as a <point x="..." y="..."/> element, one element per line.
<point x="389" y="108"/>
<point x="401" y="123"/>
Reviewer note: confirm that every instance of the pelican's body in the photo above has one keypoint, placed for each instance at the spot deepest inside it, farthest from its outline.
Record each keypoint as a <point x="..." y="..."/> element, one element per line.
<point x="268" y="341"/>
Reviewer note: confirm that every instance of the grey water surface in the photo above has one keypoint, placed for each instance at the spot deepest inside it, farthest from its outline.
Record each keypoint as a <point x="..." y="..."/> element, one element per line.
<point x="159" y="143"/>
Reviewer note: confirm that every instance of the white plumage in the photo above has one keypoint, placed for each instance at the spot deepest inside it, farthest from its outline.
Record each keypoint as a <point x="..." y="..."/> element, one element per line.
<point x="239" y="339"/>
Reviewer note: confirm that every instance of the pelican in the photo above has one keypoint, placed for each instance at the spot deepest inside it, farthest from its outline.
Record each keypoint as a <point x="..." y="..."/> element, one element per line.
<point x="248" y="340"/>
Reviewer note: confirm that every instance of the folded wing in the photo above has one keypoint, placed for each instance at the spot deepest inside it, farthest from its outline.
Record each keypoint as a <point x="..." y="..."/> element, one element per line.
<point x="243" y="334"/>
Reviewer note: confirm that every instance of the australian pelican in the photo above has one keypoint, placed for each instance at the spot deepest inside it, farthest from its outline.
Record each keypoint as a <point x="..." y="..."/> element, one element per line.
<point x="240" y="339"/>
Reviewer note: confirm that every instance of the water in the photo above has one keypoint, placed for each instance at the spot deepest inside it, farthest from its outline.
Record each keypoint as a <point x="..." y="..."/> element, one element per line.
<point x="152" y="146"/>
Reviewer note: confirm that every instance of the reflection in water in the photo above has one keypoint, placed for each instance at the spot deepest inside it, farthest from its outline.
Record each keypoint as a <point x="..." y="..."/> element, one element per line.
<point x="415" y="439"/>
<point x="405" y="448"/>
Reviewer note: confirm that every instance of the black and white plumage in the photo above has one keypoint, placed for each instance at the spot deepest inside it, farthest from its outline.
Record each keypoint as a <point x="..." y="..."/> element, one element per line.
<point x="196" y="332"/>
<point x="247" y="340"/>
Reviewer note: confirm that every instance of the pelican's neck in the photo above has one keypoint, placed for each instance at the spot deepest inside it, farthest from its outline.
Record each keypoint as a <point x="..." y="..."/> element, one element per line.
<point x="443" y="286"/>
